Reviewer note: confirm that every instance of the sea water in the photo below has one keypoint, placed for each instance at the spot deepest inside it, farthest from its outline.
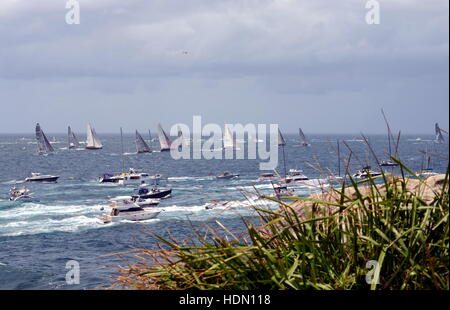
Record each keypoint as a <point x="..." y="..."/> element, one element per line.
<point x="38" y="239"/>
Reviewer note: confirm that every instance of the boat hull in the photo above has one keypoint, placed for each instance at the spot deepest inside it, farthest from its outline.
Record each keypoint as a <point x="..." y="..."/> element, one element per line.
<point x="49" y="179"/>
<point x="227" y="177"/>
<point x="160" y="194"/>
<point x="147" y="203"/>
<point x="132" y="216"/>
<point x="93" y="148"/>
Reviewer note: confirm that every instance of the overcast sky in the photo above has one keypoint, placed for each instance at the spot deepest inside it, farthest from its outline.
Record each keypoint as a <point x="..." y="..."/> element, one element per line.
<point x="299" y="63"/>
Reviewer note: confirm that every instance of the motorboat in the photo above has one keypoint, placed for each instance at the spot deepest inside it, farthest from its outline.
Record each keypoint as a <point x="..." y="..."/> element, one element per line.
<point x="388" y="163"/>
<point x="110" y="178"/>
<point x="134" y="176"/>
<point x="283" y="191"/>
<point x="145" y="193"/>
<point x="23" y="194"/>
<point x="227" y="175"/>
<point x="37" y="177"/>
<point x="149" y="202"/>
<point x="266" y="176"/>
<point x="365" y="172"/>
<point x="128" y="210"/>
<point x="295" y="175"/>
<point x="426" y="173"/>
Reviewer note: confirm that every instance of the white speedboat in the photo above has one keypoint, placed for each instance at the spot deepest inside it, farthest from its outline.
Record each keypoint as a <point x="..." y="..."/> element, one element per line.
<point x="267" y="176"/>
<point x="37" y="177"/>
<point x="129" y="211"/>
<point x="365" y="172"/>
<point x="295" y="175"/>
<point x="149" y="202"/>
<point x="23" y="194"/>
<point x="282" y="190"/>
<point x="424" y="173"/>
<point x="141" y="202"/>
<point x="388" y="163"/>
<point x="135" y="177"/>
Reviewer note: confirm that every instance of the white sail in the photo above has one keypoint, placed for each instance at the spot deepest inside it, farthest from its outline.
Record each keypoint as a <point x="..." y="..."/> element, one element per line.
<point x="92" y="141"/>
<point x="141" y="145"/>
<point x="439" y="136"/>
<point x="281" y="140"/>
<point x="42" y="142"/>
<point x="164" y="140"/>
<point x="228" y="140"/>
<point x="73" y="141"/>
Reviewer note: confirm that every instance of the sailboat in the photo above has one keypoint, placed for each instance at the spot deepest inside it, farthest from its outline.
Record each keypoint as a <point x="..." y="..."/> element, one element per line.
<point x="43" y="144"/>
<point x="303" y="140"/>
<point x="282" y="143"/>
<point x="73" y="141"/>
<point x="439" y="136"/>
<point x="228" y="140"/>
<point x="164" y="140"/>
<point x="92" y="141"/>
<point x="141" y="145"/>
<point x="150" y="137"/>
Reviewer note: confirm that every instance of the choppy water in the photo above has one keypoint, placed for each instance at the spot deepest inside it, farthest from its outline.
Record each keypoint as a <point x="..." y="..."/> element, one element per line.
<point x="37" y="239"/>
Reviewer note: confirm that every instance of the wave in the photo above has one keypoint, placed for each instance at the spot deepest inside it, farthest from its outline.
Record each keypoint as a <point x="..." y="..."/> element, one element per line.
<point x="71" y="224"/>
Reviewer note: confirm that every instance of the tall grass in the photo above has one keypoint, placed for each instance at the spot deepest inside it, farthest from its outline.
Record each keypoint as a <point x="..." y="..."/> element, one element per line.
<point x="324" y="242"/>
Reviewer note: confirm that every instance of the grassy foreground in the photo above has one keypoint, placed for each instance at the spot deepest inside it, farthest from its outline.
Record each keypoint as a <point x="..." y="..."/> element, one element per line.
<point x="391" y="236"/>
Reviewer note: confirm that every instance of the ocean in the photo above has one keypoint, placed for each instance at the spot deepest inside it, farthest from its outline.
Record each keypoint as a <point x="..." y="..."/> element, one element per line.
<point x="38" y="239"/>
